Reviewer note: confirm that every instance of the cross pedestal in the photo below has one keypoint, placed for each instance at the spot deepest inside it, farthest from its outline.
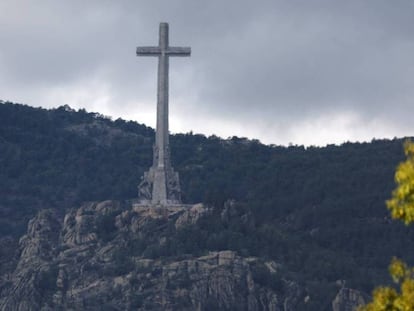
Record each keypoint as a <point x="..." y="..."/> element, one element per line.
<point x="160" y="185"/>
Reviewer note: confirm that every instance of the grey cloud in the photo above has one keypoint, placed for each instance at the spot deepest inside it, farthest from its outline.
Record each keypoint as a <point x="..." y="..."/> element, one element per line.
<point x="281" y="62"/>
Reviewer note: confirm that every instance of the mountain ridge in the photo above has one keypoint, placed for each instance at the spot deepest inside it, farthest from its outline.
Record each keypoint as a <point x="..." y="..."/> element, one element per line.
<point x="317" y="211"/>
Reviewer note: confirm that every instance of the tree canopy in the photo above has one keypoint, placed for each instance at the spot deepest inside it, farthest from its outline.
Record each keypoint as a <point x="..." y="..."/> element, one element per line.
<point x="317" y="211"/>
<point x="401" y="205"/>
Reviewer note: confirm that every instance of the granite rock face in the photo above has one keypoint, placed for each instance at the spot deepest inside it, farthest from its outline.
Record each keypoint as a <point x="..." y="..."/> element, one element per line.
<point x="92" y="259"/>
<point x="38" y="248"/>
<point x="348" y="299"/>
<point x="85" y="262"/>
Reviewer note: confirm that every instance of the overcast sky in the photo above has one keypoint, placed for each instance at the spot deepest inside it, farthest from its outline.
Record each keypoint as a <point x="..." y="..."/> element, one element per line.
<point x="306" y="72"/>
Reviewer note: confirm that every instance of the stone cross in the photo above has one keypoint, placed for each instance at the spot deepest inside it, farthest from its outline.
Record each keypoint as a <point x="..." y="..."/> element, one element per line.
<point x="160" y="185"/>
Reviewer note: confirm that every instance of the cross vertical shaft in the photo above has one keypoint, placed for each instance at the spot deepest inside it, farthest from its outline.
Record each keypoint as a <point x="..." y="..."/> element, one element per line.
<point x="160" y="184"/>
<point x="162" y="139"/>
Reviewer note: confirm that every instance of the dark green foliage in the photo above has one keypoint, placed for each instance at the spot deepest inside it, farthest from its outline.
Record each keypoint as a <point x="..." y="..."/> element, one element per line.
<point x="319" y="212"/>
<point x="121" y="263"/>
<point x="105" y="226"/>
<point x="136" y="300"/>
<point x="211" y="304"/>
<point x="61" y="157"/>
<point x="47" y="280"/>
<point x="262" y="276"/>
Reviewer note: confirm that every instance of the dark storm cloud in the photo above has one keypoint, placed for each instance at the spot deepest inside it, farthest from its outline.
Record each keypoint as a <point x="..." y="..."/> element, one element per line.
<point x="272" y="69"/>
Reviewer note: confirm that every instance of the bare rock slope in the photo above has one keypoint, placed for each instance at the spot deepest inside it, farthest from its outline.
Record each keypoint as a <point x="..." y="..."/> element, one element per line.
<point x="98" y="257"/>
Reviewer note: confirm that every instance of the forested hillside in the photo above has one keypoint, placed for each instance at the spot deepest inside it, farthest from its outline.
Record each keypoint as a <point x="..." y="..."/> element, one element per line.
<point x="318" y="211"/>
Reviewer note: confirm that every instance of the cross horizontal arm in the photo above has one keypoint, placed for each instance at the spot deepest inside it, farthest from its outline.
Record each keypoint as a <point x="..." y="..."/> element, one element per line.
<point x="148" y="51"/>
<point x="178" y="51"/>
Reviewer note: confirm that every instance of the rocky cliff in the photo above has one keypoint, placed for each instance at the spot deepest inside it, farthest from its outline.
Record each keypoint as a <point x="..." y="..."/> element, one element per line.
<point x="98" y="257"/>
<point x="348" y="299"/>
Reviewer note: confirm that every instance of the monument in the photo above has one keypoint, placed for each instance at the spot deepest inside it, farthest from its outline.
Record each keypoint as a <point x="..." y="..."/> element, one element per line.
<point x="160" y="185"/>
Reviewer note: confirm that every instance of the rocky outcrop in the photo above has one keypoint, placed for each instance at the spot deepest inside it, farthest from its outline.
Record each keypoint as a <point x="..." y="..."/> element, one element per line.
<point x="348" y="299"/>
<point x="35" y="269"/>
<point x="98" y="258"/>
<point x="191" y="215"/>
